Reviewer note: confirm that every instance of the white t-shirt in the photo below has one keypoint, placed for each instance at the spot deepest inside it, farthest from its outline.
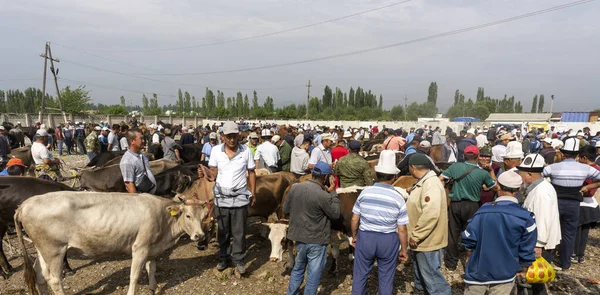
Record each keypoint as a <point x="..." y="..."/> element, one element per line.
<point x="268" y="152"/>
<point x="231" y="187"/>
<point x="497" y="152"/>
<point x="114" y="140"/>
<point x="39" y="152"/>
<point x="124" y="144"/>
<point x="155" y="138"/>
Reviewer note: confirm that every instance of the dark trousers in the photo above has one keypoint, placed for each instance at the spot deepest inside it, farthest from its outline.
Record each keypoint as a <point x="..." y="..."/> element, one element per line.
<point x="568" y="211"/>
<point x="81" y="145"/>
<point x="371" y="246"/>
<point x="458" y="216"/>
<point x="537" y="289"/>
<point x="69" y="144"/>
<point x="232" y="226"/>
<point x="581" y="239"/>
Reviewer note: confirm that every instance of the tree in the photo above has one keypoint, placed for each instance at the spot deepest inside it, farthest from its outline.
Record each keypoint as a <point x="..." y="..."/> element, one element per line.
<point x="327" y="97"/>
<point x="397" y="113"/>
<point x="433" y="92"/>
<point x="179" y="101"/>
<point x="351" y="97"/>
<point x="75" y="101"/>
<point x="534" y="105"/>
<point x="541" y="104"/>
<point x="381" y="102"/>
<point x="116" y="109"/>
<point x="269" y="106"/>
<point x="518" y="107"/>
<point x="194" y="105"/>
<point x="187" y="103"/>
<point x="456" y="96"/>
<point x="246" y="111"/>
<point x="145" y="106"/>
<point x="480" y="94"/>
<point x="122" y="100"/>
<point x="239" y="104"/>
<point x="220" y="99"/>
<point x="254" y="101"/>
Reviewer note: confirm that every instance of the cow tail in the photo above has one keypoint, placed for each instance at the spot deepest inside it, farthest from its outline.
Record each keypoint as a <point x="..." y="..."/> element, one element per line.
<point x="29" y="273"/>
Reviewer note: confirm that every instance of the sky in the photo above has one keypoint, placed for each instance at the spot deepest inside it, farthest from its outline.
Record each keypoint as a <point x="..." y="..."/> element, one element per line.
<point x="552" y="53"/>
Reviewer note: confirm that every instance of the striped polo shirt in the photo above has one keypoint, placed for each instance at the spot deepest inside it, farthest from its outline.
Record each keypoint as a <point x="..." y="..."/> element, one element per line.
<point x="381" y="209"/>
<point x="570" y="173"/>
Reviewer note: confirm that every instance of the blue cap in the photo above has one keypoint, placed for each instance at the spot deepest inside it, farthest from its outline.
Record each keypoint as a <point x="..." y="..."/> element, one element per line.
<point x="354" y="145"/>
<point x="321" y="168"/>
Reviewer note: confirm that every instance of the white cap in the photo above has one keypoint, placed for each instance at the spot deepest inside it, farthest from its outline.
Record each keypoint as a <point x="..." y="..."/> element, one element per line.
<point x="41" y="132"/>
<point x="97" y="128"/>
<point x="471" y="131"/>
<point x="18" y="122"/>
<point x="275" y="138"/>
<point x="152" y="126"/>
<point x="387" y="163"/>
<point x="425" y="144"/>
<point x="514" y="150"/>
<point x="265" y="133"/>
<point x="212" y="135"/>
<point x="556" y="143"/>
<point x="184" y="128"/>
<point x="510" y="179"/>
<point x="533" y="163"/>
<point x="105" y="129"/>
<point x="347" y="134"/>
<point x="571" y="145"/>
<point x="300" y="130"/>
<point x="598" y="144"/>
<point x="479" y="131"/>
<point x="580" y="134"/>
<point x="1" y="127"/>
<point x="327" y="136"/>
<point x="548" y="140"/>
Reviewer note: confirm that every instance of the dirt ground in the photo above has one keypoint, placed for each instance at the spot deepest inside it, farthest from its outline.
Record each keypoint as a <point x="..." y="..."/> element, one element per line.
<point x="187" y="270"/>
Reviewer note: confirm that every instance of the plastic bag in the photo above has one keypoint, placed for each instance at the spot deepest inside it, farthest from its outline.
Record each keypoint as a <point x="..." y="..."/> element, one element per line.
<point x="540" y="271"/>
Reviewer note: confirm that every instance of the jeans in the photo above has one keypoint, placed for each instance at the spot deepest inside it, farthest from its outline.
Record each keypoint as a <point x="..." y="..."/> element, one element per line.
<point x="313" y="256"/>
<point x="231" y="224"/>
<point x="581" y="239"/>
<point x="568" y="212"/>
<point x="428" y="276"/>
<point x="59" y="145"/>
<point x="371" y="246"/>
<point x="69" y="144"/>
<point x="81" y="145"/>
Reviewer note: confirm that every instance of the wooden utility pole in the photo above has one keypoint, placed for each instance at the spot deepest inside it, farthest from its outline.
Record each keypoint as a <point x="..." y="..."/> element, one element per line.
<point x="48" y="57"/>
<point x="307" y="98"/>
<point x="405" y="106"/>
<point x="45" y="56"/>
<point x="54" y="73"/>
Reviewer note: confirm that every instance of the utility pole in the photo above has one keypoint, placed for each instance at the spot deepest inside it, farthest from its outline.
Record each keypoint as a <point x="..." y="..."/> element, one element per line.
<point x="45" y="56"/>
<point x="551" y="103"/>
<point x="307" y="98"/>
<point x="405" y="106"/>
<point x="48" y="57"/>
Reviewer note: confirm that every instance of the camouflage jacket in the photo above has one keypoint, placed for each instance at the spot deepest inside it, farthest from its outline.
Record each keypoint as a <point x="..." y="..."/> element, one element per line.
<point x="353" y="170"/>
<point x="92" y="145"/>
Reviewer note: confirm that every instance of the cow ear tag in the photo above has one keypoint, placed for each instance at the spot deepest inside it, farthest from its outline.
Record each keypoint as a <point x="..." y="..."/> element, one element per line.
<point x="174" y="212"/>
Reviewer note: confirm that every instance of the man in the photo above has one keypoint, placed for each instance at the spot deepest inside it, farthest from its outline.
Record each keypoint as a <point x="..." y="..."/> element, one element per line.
<point x="60" y="139"/>
<point x="299" y="139"/>
<point x="423" y="149"/>
<point x="233" y="192"/>
<point x="568" y="178"/>
<point x="186" y="137"/>
<point x="46" y="165"/>
<point x="135" y="166"/>
<point x="414" y="145"/>
<point x="499" y="149"/>
<point x="170" y="147"/>
<point x="299" y="162"/>
<point x="339" y="151"/>
<point x="155" y="138"/>
<point x="311" y="206"/>
<point x="285" y="153"/>
<point x="353" y="169"/>
<point x="113" y="138"/>
<point x="595" y="139"/>
<point x="379" y="220"/>
<point x="427" y="227"/>
<point x="68" y="133"/>
<point x="318" y="136"/>
<point x="550" y="132"/>
<point x="207" y="148"/>
<point x="123" y="138"/>
<point x="103" y="139"/>
<point x="481" y="139"/>
<point x="513" y="156"/>
<point x="449" y="150"/>
<point x="534" y="144"/>
<point x="14" y="167"/>
<point x="597" y="160"/>
<point x="267" y="154"/>
<point x="547" y="151"/>
<point x="92" y="145"/>
<point x="411" y="134"/>
<point x="322" y="153"/>
<point x="485" y="163"/>
<point x="252" y="142"/>
<point x="541" y="200"/>
<point x="289" y="138"/>
<point x="393" y="142"/>
<point x="80" y="138"/>
<point x="464" y="143"/>
<point x="437" y="138"/>
<point x="500" y="241"/>
<point x="4" y="147"/>
<point x="464" y="198"/>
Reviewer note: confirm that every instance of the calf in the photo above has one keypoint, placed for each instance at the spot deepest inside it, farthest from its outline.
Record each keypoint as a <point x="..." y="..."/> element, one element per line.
<point x="101" y="224"/>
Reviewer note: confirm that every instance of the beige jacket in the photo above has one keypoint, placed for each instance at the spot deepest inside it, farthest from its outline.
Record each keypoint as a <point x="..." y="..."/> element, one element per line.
<point x="428" y="214"/>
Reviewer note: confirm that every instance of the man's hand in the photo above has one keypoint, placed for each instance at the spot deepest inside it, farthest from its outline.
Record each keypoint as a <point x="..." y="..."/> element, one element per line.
<point x="412" y="243"/>
<point x="354" y="241"/>
<point x="253" y="198"/>
<point x="403" y="255"/>
<point x="331" y="186"/>
<point x="538" y="252"/>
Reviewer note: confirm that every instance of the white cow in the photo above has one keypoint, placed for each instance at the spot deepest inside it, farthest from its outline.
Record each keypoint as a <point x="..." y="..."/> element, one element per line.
<point x="103" y="224"/>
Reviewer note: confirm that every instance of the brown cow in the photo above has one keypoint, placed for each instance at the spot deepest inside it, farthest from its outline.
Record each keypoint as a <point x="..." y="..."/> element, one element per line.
<point x="436" y="152"/>
<point x="23" y="153"/>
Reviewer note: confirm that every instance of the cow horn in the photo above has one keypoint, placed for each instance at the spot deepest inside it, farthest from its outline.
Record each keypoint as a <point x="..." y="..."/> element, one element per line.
<point x="180" y="198"/>
<point x="194" y="203"/>
<point x="266" y="223"/>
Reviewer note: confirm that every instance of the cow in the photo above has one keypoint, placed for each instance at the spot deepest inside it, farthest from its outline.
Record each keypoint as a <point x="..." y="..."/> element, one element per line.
<point x="101" y="159"/>
<point x="100" y="224"/>
<point x="110" y="179"/>
<point x="176" y="180"/>
<point x="191" y="152"/>
<point x="13" y="191"/>
<point x="23" y="153"/>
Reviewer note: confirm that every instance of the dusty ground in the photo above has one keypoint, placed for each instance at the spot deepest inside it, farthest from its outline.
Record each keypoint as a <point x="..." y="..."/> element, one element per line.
<point x="186" y="270"/>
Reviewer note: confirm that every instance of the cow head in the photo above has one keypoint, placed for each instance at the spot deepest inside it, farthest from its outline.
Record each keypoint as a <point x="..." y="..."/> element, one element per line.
<point x="189" y="216"/>
<point x="277" y="236"/>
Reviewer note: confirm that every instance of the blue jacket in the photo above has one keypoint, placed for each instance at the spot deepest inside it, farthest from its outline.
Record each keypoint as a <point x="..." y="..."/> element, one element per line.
<point x="502" y="237"/>
<point x="462" y="145"/>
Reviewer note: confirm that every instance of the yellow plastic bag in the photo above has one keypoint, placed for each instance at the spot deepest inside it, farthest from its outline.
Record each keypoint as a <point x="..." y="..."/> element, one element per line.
<point x="540" y="271"/>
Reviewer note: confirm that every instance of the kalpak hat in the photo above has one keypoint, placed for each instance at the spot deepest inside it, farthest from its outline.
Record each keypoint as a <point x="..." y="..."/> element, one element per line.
<point x="387" y="163"/>
<point x="532" y="163"/>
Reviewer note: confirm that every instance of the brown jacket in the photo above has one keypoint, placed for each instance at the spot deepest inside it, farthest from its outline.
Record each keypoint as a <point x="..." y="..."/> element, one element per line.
<point x="428" y="214"/>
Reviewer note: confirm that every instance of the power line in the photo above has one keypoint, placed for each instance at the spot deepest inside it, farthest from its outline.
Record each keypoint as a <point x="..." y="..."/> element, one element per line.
<point x="422" y="39"/>
<point x="112" y="87"/>
<point x="172" y="82"/>
<point x="256" y="36"/>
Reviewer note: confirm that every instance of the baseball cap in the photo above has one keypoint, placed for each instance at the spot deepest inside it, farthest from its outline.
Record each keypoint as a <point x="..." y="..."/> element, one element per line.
<point x="425" y="144"/>
<point x="15" y="162"/>
<point x="548" y="140"/>
<point x="253" y="135"/>
<point x="1" y="127"/>
<point x="471" y="131"/>
<point x="510" y="179"/>
<point x="212" y="135"/>
<point x="326" y="136"/>
<point x="41" y="132"/>
<point x="321" y="168"/>
<point x="275" y="138"/>
<point x="230" y="127"/>
<point x="105" y="129"/>
<point x="354" y="145"/>
<point x="417" y="139"/>
<point x="472" y="149"/>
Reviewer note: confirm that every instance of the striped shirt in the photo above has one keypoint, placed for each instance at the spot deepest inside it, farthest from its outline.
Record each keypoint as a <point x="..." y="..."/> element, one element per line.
<point x="570" y="173"/>
<point x="381" y="209"/>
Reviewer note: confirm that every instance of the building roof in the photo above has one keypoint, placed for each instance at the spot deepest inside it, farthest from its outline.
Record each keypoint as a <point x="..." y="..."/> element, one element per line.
<point x="575" y="117"/>
<point x="519" y="117"/>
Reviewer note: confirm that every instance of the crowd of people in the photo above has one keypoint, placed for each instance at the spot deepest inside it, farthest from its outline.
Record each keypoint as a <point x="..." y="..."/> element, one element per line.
<point x="513" y="195"/>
